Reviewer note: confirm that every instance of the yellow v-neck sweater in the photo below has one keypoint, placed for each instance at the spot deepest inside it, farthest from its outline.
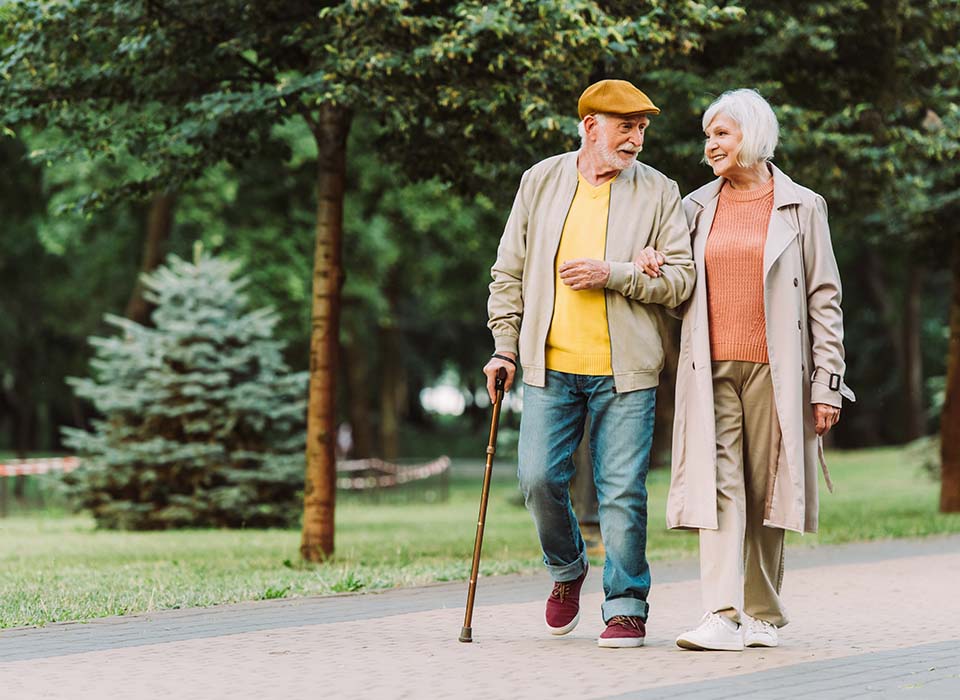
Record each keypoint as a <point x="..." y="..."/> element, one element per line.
<point x="734" y="269"/>
<point x="579" y="339"/>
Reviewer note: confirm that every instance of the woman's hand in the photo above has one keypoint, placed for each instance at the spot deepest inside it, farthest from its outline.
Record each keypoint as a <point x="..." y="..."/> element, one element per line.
<point x="649" y="261"/>
<point x="825" y="417"/>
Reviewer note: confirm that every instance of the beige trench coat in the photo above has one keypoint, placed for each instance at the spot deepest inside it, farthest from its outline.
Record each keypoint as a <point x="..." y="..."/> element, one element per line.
<point x="801" y="294"/>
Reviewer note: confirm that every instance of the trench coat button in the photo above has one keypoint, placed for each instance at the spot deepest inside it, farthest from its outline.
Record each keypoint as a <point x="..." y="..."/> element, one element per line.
<point x="693" y="365"/>
<point x="798" y="325"/>
<point x="796" y="283"/>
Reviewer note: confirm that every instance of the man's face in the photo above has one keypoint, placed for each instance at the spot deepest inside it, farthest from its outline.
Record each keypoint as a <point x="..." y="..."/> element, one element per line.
<point x="618" y="138"/>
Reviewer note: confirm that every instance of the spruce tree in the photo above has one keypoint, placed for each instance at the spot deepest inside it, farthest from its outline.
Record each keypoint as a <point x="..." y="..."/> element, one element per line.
<point x="202" y="423"/>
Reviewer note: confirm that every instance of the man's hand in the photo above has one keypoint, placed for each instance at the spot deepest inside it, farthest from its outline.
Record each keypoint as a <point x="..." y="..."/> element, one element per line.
<point x="825" y="417"/>
<point x="584" y="273"/>
<point x="649" y="261"/>
<point x="490" y="369"/>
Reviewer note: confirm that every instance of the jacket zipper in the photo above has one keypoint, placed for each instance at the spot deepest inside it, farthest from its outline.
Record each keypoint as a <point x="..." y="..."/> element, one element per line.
<point x="606" y="310"/>
<point x="556" y="252"/>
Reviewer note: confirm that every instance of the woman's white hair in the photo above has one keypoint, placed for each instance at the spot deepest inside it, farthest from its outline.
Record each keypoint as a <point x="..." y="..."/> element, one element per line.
<point x="756" y="120"/>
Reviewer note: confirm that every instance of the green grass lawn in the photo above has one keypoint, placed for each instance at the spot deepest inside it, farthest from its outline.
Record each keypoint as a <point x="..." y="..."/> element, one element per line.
<point x="58" y="568"/>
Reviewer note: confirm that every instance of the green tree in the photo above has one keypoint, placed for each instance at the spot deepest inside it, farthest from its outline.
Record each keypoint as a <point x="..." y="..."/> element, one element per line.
<point x="23" y="265"/>
<point x="56" y="275"/>
<point x="88" y="263"/>
<point x="419" y="265"/>
<point x="202" y="423"/>
<point x="464" y="89"/>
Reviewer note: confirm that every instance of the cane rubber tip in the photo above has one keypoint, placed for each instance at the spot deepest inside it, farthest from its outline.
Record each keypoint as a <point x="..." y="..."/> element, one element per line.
<point x="466" y="634"/>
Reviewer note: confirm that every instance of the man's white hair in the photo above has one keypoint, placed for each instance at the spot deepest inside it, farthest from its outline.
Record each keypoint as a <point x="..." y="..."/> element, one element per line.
<point x="582" y="130"/>
<point x="756" y="120"/>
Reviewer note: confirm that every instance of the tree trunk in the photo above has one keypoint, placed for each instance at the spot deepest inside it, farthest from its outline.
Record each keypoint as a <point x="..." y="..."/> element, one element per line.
<point x="391" y="391"/>
<point x="903" y="335"/>
<point x="24" y="418"/>
<point x="23" y="402"/>
<point x="950" y="418"/>
<point x="358" y="378"/>
<point x="413" y="413"/>
<point x="320" y="482"/>
<point x="159" y="224"/>
<point x="915" y="421"/>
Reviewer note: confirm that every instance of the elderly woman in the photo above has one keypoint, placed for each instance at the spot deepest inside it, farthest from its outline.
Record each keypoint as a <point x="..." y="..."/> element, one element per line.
<point x="760" y="374"/>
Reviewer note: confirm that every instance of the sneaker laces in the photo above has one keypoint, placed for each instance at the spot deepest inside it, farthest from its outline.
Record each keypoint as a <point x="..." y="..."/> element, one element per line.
<point x="561" y="589"/>
<point x="762" y="626"/>
<point x="628" y="621"/>
<point x="718" y="620"/>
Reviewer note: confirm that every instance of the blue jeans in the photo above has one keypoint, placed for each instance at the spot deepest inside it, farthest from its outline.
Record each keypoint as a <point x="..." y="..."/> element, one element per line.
<point x="621" y="434"/>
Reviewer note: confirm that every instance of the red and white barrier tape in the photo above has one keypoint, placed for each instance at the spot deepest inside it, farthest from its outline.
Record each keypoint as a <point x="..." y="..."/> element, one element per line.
<point x="395" y="474"/>
<point x="390" y="474"/>
<point x="25" y="467"/>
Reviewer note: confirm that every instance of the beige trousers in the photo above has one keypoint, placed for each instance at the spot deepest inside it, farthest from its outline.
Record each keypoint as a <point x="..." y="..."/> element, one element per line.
<point x="741" y="562"/>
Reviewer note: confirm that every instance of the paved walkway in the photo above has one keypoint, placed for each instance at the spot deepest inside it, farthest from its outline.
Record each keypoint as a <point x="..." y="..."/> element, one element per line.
<point x="873" y="620"/>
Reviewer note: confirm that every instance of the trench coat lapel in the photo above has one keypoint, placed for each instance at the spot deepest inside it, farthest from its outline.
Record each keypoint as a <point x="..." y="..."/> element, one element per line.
<point x="704" y="224"/>
<point x="707" y="197"/>
<point x="703" y="195"/>
<point x="783" y="221"/>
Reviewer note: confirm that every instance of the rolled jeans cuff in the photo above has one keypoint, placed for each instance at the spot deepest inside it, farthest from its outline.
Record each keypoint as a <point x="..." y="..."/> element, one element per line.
<point x="568" y="572"/>
<point x="634" y="607"/>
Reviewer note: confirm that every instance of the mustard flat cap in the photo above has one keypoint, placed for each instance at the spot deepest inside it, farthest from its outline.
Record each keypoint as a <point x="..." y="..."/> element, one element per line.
<point x="614" y="97"/>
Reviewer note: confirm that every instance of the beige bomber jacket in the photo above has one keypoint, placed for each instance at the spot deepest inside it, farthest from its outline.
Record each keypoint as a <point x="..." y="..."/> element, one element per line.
<point x="645" y="210"/>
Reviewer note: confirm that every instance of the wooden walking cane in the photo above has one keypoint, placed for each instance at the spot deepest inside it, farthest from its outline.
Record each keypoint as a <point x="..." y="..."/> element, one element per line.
<point x="466" y="634"/>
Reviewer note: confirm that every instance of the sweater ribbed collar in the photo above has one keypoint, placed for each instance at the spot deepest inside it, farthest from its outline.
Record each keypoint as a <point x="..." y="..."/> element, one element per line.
<point x="728" y="194"/>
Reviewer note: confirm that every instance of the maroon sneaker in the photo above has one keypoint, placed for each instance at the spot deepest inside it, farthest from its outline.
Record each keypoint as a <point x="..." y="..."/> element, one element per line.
<point x="623" y="631"/>
<point x="563" y="605"/>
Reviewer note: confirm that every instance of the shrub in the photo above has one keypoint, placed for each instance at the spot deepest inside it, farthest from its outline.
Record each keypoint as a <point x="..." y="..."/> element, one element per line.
<point x="202" y="423"/>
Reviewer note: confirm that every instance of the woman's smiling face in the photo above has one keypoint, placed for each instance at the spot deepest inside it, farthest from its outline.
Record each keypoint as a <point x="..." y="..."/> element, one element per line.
<point x="722" y="145"/>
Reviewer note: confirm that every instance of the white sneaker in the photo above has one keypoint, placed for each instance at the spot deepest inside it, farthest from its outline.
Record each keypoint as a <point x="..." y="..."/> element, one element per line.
<point x="715" y="633"/>
<point x="759" y="633"/>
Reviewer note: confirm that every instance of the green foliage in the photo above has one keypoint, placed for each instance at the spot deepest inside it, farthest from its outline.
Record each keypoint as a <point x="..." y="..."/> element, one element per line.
<point x="419" y="262"/>
<point x="273" y="593"/>
<point x="459" y="86"/>
<point x="867" y="94"/>
<point x="48" y="303"/>
<point x="348" y="584"/>
<point x="202" y="423"/>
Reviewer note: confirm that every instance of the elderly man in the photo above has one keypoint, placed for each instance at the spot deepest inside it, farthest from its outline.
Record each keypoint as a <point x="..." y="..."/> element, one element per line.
<point x="585" y="321"/>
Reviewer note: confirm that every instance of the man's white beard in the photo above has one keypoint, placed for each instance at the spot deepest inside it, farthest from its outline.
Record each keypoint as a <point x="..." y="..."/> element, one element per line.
<point x="614" y="159"/>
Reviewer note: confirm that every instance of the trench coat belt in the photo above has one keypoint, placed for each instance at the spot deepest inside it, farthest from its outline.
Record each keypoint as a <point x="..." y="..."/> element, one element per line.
<point x="823" y="463"/>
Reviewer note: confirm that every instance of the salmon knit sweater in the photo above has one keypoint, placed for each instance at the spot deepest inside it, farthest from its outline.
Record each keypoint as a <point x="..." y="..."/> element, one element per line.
<point x="734" y="267"/>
